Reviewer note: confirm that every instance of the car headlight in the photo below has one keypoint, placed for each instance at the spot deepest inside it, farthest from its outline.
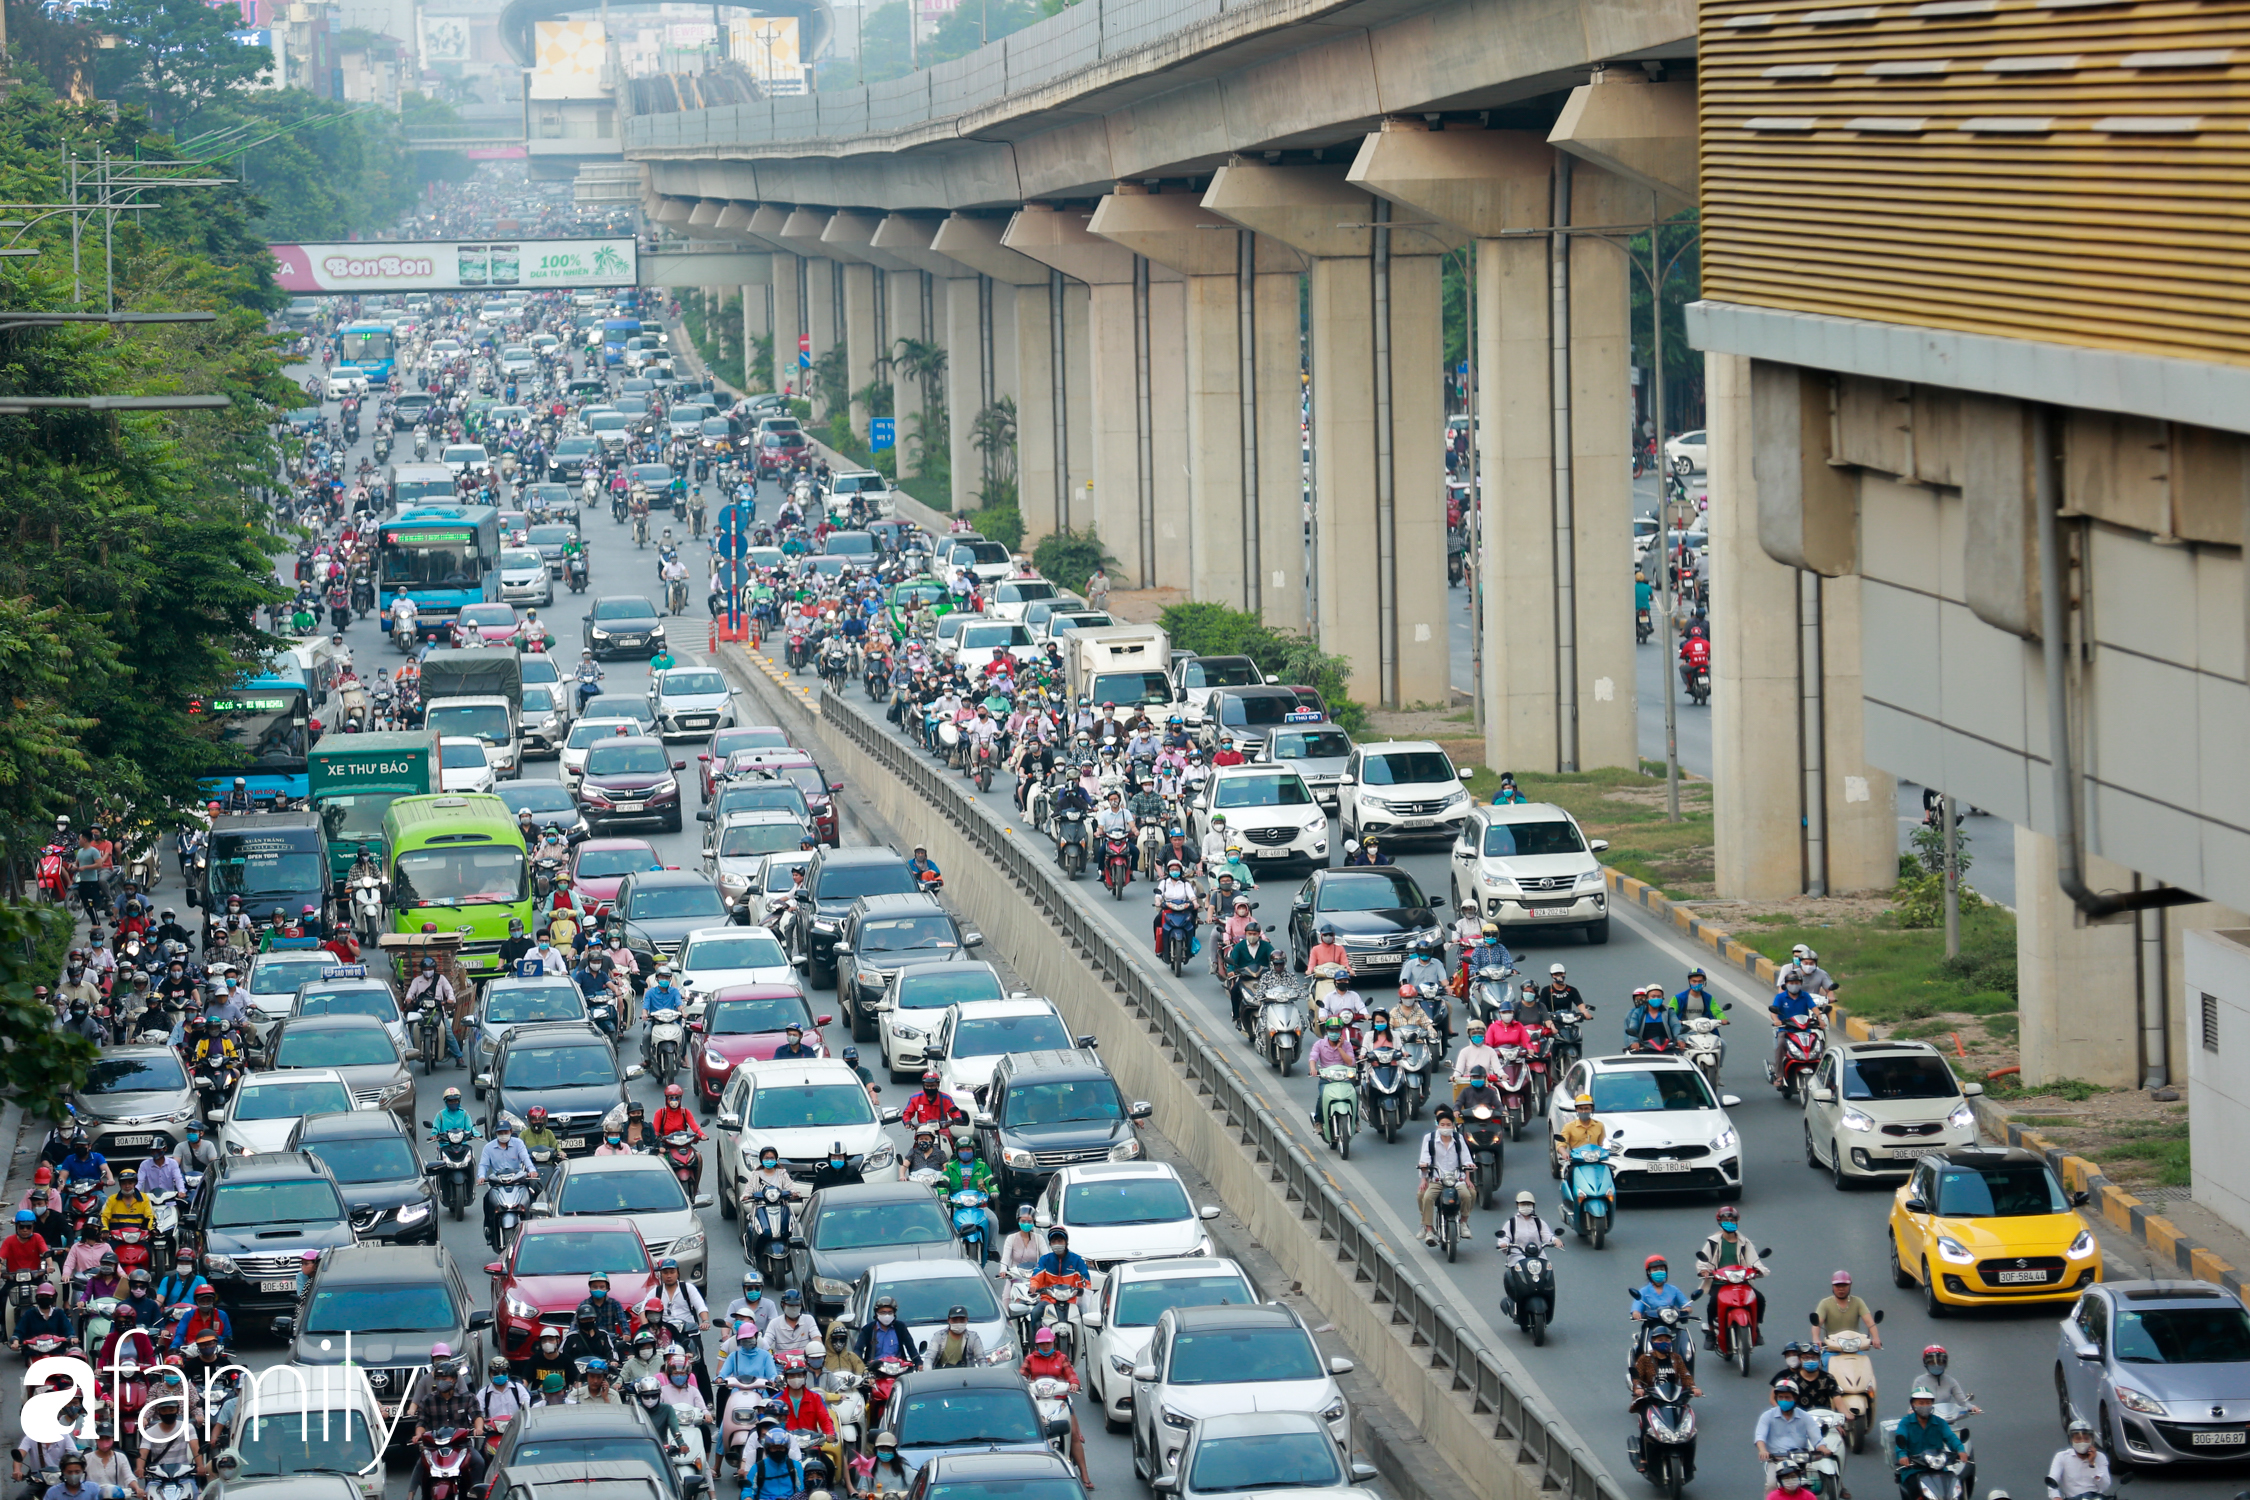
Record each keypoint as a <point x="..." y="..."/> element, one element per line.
<point x="413" y="1213"/>
<point x="1592" y="878"/>
<point x="664" y="788"/>
<point x="1497" y="882"/>
<point x="828" y="1286"/>
<point x="906" y="1033"/>
<point x="2133" y="1400"/>
<point x="1949" y="1248"/>
<point x="688" y="1244"/>
<point x="520" y="1310"/>
<point x="882" y="1156"/>
<point x="600" y="634"/>
<point x="395" y="1092"/>
<point x="1172" y="1418"/>
<point x="1316" y="825"/>
<point x="1334" y="1413"/>
<point x="1856" y="1120"/>
<point x="824" y="924"/>
<point x="1727" y="1140"/>
<point x="1964" y="1116"/>
<point x="1017" y="1157"/>
<point x="1122" y="1365"/>
<point x="2083" y="1246"/>
<point x="1457" y="797"/>
<point x="223" y="1264"/>
<point x="1125" y="1151"/>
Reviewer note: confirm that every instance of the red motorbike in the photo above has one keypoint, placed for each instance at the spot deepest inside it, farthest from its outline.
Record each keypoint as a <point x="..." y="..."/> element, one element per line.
<point x="686" y="1162"/>
<point x="796" y="648"/>
<point x="1801" y="1040"/>
<point x="1540" y="1055"/>
<point x="1514" y="1083"/>
<point x="445" y="1454"/>
<point x="130" y="1241"/>
<point x="84" y="1203"/>
<point x="54" y="872"/>
<point x="881" y="1388"/>
<point x="1117" y="862"/>
<point x="1734" y="1314"/>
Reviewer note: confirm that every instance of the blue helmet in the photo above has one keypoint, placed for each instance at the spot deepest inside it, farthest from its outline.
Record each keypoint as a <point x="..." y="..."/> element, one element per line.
<point x="26" y="1216"/>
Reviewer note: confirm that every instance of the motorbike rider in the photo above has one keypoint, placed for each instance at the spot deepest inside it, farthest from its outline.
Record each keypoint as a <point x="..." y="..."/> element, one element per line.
<point x="431" y="987"/>
<point x="453" y="1116"/>
<point x="2079" y="1467"/>
<point x="1045" y="1361"/>
<point x="1948" y="1390"/>
<point x="1524" y="1231"/>
<point x="43" y="1316"/>
<point x="931" y="1107"/>
<point x="1922" y="1431"/>
<point x="1174" y="892"/>
<point x="1443" y="1150"/>
<point x="1658" y="1293"/>
<point x="674" y="1117"/>
<point x="1729" y="1246"/>
<point x="503" y="1155"/>
<point x="1842" y="1311"/>
<point x="966" y="1173"/>
<point x="26" y="1250"/>
<point x="1662" y="1350"/>
<point x="794" y="1044"/>
<point x="1785" y="1427"/>
<point x="1698" y="1000"/>
<point x="1582" y="1129"/>
<point x="1815" y="1386"/>
<point x="546" y="1359"/>
<point x="1246" y="960"/>
<point x="1327" y="951"/>
<point x="885" y="1338"/>
<point x="1789" y="1002"/>
<point x="922" y="867"/>
<point x="1651" y="1024"/>
<point x="681" y="1308"/>
<point x="791" y="1330"/>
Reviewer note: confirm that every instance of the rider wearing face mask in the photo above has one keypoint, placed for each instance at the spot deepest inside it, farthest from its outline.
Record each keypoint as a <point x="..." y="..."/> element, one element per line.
<point x="885" y="1337"/>
<point x="958" y="1346"/>
<point x="1800" y="1363"/>
<point x="1948" y="1390"/>
<point x="2081" y="1468"/>
<point x="1658" y="1293"/>
<point x="1443" y="1151"/>
<point x="1783" y="1427"/>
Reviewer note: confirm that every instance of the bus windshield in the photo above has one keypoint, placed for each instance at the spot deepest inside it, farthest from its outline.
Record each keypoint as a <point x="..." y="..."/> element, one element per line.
<point x="364" y="346"/>
<point x="267" y="721"/>
<point x="254" y="864"/>
<point x="459" y="875"/>
<point x="444" y="557"/>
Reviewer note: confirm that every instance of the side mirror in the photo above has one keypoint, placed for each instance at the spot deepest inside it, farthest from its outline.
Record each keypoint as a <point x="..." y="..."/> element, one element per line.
<point x="1824" y="1096"/>
<point x="1730" y="1101"/>
<point x="633" y="1072"/>
<point x="835" y="786"/>
<point x="1060" y="1428"/>
<point x="730" y="1121"/>
<point x="1599" y="845"/>
<point x="705" y="1200"/>
<point x="703" y="815"/>
<point x="1915" y="1206"/>
<point x="1364" y="1472"/>
<point x="933" y="1053"/>
<point x="1208" y="1212"/>
<point x="891" y="1116"/>
<point x="1340" y="1366"/>
<point x="1088" y="1041"/>
<point x="479" y="1320"/>
<point x="822" y="1020"/>
<point x="1043" y="1219"/>
<point x="1973" y="1090"/>
<point x="1140" y="1109"/>
<point x="2080" y="1200"/>
<point x="972" y="940"/>
<point x="1144" y="1372"/>
<point x="796" y="1242"/>
<point x="983" y="1121"/>
<point x="1878" y="1315"/>
<point x="679" y="765"/>
<point x="492" y="1268"/>
<point x="286" y="1325"/>
<point x="484" y="1080"/>
<point x="1465" y="773"/>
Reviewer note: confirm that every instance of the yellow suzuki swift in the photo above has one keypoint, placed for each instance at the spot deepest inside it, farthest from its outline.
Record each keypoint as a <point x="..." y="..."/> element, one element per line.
<point x="1980" y="1226"/>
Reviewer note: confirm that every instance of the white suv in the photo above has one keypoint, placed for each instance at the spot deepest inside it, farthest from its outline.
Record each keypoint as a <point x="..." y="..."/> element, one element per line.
<point x="1528" y="864"/>
<point x="1401" y="789"/>
<point x="1269" y="811"/>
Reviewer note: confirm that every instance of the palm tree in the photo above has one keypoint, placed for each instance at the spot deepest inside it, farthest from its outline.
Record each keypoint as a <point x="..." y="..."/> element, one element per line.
<point x="922" y="360"/>
<point x="993" y="435"/>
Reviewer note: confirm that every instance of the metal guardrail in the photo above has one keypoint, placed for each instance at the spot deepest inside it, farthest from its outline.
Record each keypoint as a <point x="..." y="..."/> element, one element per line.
<point x="1518" y="1416"/>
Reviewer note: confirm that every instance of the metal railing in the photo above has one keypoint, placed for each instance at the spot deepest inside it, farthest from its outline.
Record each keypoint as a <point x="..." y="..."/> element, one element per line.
<point x="1519" y="1418"/>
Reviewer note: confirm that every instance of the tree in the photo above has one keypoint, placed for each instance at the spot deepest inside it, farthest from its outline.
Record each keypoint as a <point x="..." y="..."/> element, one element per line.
<point x="171" y="55"/>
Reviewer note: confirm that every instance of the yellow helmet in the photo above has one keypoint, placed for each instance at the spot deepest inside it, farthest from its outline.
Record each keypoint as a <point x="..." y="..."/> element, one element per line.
<point x="1583" y="1101"/>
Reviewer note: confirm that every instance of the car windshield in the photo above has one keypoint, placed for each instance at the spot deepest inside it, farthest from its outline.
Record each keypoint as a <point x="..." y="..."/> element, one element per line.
<point x="1046" y="1487"/>
<point x="1898" y="1077"/>
<point x="619" y="706"/>
<point x="1220" y="673"/>
<point x="286" y="1099"/>
<point x="1265" y="1461"/>
<point x="809" y="1105"/>
<point x="464" y="875"/>
<point x="517" y="1005"/>
<point x="780" y="796"/>
<point x="521" y="560"/>
<point x="936" y="988"/>
<point x="649" y="1190"/>
<point x="461" y="755"/>
<point x="908" y="934"/>
<point x="992" y="637"/>
<point x="2016" y="1190"/>
<point x="600" y="862"/>
<point x="564" y="1449"/>
<point x="1406" y="768"/>
<point x="1141" y="1303"/>
<point x="1633" y="1090"/>
<point x="889" y="878"/>
<point x="755" y="948"/>
<point x="750" y="1017"/>
<point x="748" y="737"/>
<point x="281" y="976"/>
<point x="927" y="1300"/>
<point x="749" y="840"/>
<point x="389" y="1308"/>
<point x="991" y="1036"/>
<point x="578" y="1252"/>
<point x="351" y="1002"/>
<point x="1109" y="1203"/>
<point x="2214" y="1335"/>
<point x="667" y="901"/>
<point x="624" y="609"/>
<point x="304" y="1200"/>
<point x="856" y="1226"/>
<point x="1266" y="708"/>
<point x="541" y="698"/>
<point x="698" y="684"/>
<point x="1370" y="890"/>
<point x="587" y="731"/>
<point x="1328" y="744"/>
<point x="336" y="1049"/>
<point x="549" y="536"/>
<point x="334" y="1441"/>
<point x="1284" y="789"/>
<point x="1061" y="1103"/>
<point x="628" y="758"/>
<point x="973" y="1417"/>
<point x="1524" y="840"/>
<point x="374" y="1158"/>
<point x="1242" y="1356"/>
<point x="154" y="1073"/>
<point x="560" y="1068"/>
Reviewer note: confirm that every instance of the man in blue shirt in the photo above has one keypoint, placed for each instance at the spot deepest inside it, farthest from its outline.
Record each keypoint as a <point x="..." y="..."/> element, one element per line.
<point x="921" y="864"/>
<point x="84" y="1165"/>
<point x="885" y="1337"/>
<point x="1697" y="1000"/>
<point x="1060" y="1259"/>
<point x="796" y="1045"/>
<point x="502" y="1155"/>
<point x="1792" y="1001"/>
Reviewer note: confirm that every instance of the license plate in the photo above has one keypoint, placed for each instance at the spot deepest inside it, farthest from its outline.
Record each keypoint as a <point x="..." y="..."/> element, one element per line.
<point x="2019" y="1278"/>
<point x="1668" y="1164"/>
<point x="2224" y="1439"/>
<point x="1913" y="1151"/>
<point x="573" y="1143"/>
<point x="1416" y="822"/>
<point x="1550" y="911"/>
<point x="132" y="1140"/>
<point x="277" y="1286"/>
<point x="628" y="807"/>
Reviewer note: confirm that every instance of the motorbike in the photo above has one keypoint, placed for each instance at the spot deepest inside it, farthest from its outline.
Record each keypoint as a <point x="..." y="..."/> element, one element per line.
<point x="574" y="573"/>
<point x="1643" y="626"/>
<point x="969" y="1224"/>
<point x="1051" y="1395"/>
<point x="1482" y="1130"/>
<point x="1829" y="1456"/>
<point x="881" y="1388"/>
<point x="1529" y="1289"/>
<point x="1419" y="1053"/>
<point x="1680" y="1320"/>
<point x="640" y="528"/>
<point x="1514" y="1084"/>
<point x="1697" y="680"/>
<point x="1070" y="841"/>
<point x="617" y="507"/>
<point x="1383" y="1085"/>
<point x="602" y="1011"/>
<point x="214" y="1080"/>
<point x="455" y="1169"/>
<point x="1488" y="991"/>
<point x="509" y="1197"/>
<point x="1734" y="1315"/>
<point x="1117" y="863"/>
<point x="1179" y="935"/>
<point x="796" y="649"/>
<point x="667" y="1041"/>
<point x="1802" y="1038"/>
<point x="987" y="757"/>
<point x="686" y="1162"/>
<point x="1339" y="1107"/>
<point x="1589" y="1192"/>
<point x="544" y="870"/>
<point x="846" y="1395"/>
<point x="1938" y="1475"/>
<point x="131" y="1244"/>
<point x="1445" y="1213"/>
<point x="1854" y="1374"/>
<point x="367" y="906"/>
<point x="1565" y="1045"/>
<point x="765" y="1231"/>
<point x="1663" y="1442"/>
<point x="438" y="1470"/>
<point x="1051" y="1309"/>
<point x="1281" y="1027"/>
<point x="675" y="596"/>
<point x="1699" y="1039"/>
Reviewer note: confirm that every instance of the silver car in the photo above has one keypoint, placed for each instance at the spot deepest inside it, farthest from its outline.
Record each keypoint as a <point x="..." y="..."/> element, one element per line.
<point x="357" y="1049"/>
<point x="1222" y="1361"/>
<point x="524" y="578"/>
<point x="135" y="1101"/>
<point x="690" y="701"/>
<point x="642" y="1189"/>
<point x="2162" y="1370"/>
<point x="1317" y="752"/>
<point x="1271" y="1452"/>
<point x="741" y="846"/>
<point x="546" y="718"/>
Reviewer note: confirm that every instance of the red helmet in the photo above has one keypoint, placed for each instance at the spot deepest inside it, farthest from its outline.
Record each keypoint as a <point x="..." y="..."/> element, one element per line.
<point x="930" y="1080"/>
<point x="1653" y="1262"/>
<point x="537" y="1114"/>
<point x="671" y="1093"/>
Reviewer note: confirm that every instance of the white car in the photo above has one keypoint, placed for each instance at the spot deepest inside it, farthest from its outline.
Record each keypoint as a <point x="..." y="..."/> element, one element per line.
<point x="1125" y="1210"/>
<point x="1269" y="811"/>
<point x="989" y="562"/>
<point x="980" y="641"/>
<point x="347" y="380"/>
<point x="713" y="957"/>
<point x="914" y="1006"/>
<point x="1529" y="864"/>
<point x="643" y="1190"/>
<point x="496" y="312"/>
<point x="518" y="360"/>
<point x="464" y="765"/>
<point x="1225" y="1361"/>
<point x="1277" y="1453"/>
<point x="800" y="1107"/>
<point x="1401" y="789"/>
<point x="466" y="458"/>
<point x="585" y="734"/>
<point x="1133" y="1296"/>
<point x="968" y="1043"/>
<point x="1012" y="596"/>
<point x="849" y="482"/>
<point x="1877" y="1108"/>
<point x="267" y="1106"/>
<point x="1689" y="453"/>
<point x="524" y="578"/>
<point x="690" y="702"/>
<point x="1669" y="1133"/>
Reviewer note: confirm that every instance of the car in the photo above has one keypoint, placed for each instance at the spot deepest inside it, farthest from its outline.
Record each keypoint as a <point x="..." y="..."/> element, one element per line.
<point x="1048" y="1110"/>
<point x="857" y="547"/>
<point x="541" y="1279"/>
<point x="274" y="980"/>
<point x="915" y="1002"/>
<point x="1035" y="615"/>
<point x="715" y="435"/>
<point x="517" y="359"/>
<point x="370" y="1153"/>
<point x="463" y="765"/>
<point x="988" y="561"/>
<point x="546" y="717"/>
<point x="1269" y="811"/>
<point x="1224" y="1361"/>
<point x="568" y="1068"/>
<point x="511" y="1001"/>
<point x="347" y="380"/>
<point x="654" y="478"/>
<point x="599" y="866"/>
<point x="661" y="907"/>
<point x="257" y="1214"/>
<point x="883" y="934"/>
<point x="1195" y="678"/>
<point x="713" y="958"/>
<point x="524" y="578"/>
<point x="303" y="1431"/>
<point x="1401" y="789"/>
<point x="577" y="1450"/>
<point x="1668" y="1132"/>
<point x="1978" y="1226"/>
<point x="497" y="625"/>
<point x="737" y="737"/>
<point x="802" y="1107"/>
<point x="800" y="770"/>
<point x="1025" y="1476"/>
<point x="842" y="1231"/>
<point x="353" y="995"/>
<point x="623" y="706"/>
<point x="265" y="1107"/>
<point x="936" y="1414"/>
<point x="690" y="701"/>
<point x="465" y="458"/>
<point x="133" y="1102"/>
<point x="641" y="1190"/>
<point x="552" y="539"/>
<point x="982" y="641"/>
<point x="1241" y="716"/>
<point x="971" y="1037"/>
<point x="491" y="720"/>
<point x="586" y="733"/>
<point x="612" y="428"/>
<point x="685" y="421"/>
<point x="1062" y="622"/>
<point x="1011" y="597"/>
<point x="1529" y="864"/>
<point x="1317" y="751"/>
<point x="741" y="846"/>
<point x="282" y="1484"/>
<point x="549" y="802"/>
<point x="1118" y="1211"/>
<point x="845" y="483"/>
<point x="1876" y="1108"/>
<point x="620" y="623"/>
<point x="1120" y="1318"/>
<point x="835" y="879"/>
<point x="739" y="1023"/>
<point x="926" y="1291"/>
<point x="539" y="668"/>
<point x="630" y="779"/>
<point x="772" y="885"/>
<point x="1378" y="912"/>
<point x="361" y="1050"/>
<point x="758" y="791"/>
<point x="573" y="454"/>
<point x="1272" y="1452"/>
<point x="2161" y="1368"/>
<point x="398" y="1303"/>
<point x="1688" y="453"/>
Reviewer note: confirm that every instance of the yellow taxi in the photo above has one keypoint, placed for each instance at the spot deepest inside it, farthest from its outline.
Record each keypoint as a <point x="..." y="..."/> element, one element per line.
<point x="1981" y="1226"/>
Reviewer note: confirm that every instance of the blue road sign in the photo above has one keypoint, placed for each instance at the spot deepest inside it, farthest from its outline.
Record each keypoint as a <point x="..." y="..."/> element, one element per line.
<point x="882" y="432"/>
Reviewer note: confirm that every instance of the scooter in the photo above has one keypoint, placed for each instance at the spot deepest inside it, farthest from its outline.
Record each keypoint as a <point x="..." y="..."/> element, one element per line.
<point x="1589" y="1192"/>
<point x="1486" y="1147"/>
<point x="367" y="907"/>
<point x="1663" y="1442"/>
<point x="969" y="1224"/>
<point x="1802" y="1038"/>
<point x="1445" y="1213"/>
<point x="1734" y="1314"/>
<point x="1179" y="935"/>
<point x="1918" y="1487"/>
<point x="1070" y="841"/>
<point x="1281" y="1027"/>
<point x="1418" y="1054"/>
<point x="765" y="1231"/>
<point x="686" y="1162"/>
<point x="1117" y="864"/>
<point x="1529" y="1286"/>
<point x="455" y="1170"/>
<point x="881" y="1388"/>
<point x="1339" y="1107"/>
<point x="667" y="1038"/>
<point x="1383" y="1082"/>
<point x="1514" y="1084"/>
<point x="1700" y="1041"/>
<point x="438" y="1473"/>
<point x="1854" y="1374"/>
<point x="1936" y="1475"/>
<point x="508" y="1196"/>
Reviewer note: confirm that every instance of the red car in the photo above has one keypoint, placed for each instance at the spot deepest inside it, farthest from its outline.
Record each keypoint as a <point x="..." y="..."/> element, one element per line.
<point x="486" y="625"/>
<point x="544" y="1278"/>
<point x="802" y="772"/>
<point x="727" y="741"/>
<point x="744" y="1023"/>
<point x="599" y="866"/>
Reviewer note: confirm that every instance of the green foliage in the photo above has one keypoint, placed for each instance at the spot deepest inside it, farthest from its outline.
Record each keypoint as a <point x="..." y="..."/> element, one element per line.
<point x="171" y="56"/>
<point x="1683" y="283"/>
<point x="1929" y="849"/>
<point x="875" y="396"/>
<point x="993" y="435"/>
<point x="716" y="333"/>
<point x="1888" y="971"/>
<point x="1070" y="557"/>
<point x="800" y="408"/>
<point x="1215" y="630"/>
<point x="39" y="1065"/>
<point x="831" y="378"/>
<point x="999" y="520"/>
<point x="930" y="442"/>
<point x="1921" y="901"/>
<point x="759" y="377"/>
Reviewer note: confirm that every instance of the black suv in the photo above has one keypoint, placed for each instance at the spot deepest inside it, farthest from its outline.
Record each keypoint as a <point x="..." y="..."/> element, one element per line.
<point x="833" y="881"/>
<point x="255" y="1218"/>
<point x="568" y="1067"/>
<point x="1048" y="1110"/>
<point x="397" y="1302"/>
<point x="370" y="1153"/>
<point x="884" y="934"/>
<point x="586" y="1434"/>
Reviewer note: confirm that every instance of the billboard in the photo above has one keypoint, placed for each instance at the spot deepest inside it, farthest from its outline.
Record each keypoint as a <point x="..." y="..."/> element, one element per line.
<point x="452" y="266"/>
<point x="570" y="56"/>
<point x="445" y="39"/>
<point x="767" y="47"/>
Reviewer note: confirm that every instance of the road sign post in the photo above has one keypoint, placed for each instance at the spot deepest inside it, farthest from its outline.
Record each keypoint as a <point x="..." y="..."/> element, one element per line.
<point x="882" y="432"/>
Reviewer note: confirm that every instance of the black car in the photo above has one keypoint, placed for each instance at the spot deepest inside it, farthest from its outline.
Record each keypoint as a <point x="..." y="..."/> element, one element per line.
<point x="409" y="407"/>
<point x="833" y="881"/>
<point x="571" y="456"/>
<point x="371" y="1155"/>
<point x="557" y="502"/>
<point x="1377" y="911"/>
<point x="549" y="803"/>
<point x="621" y="624"/>
<point x="1241" y="716"/>
<point x="256" y="1217"/>
<point x="881" y="936"/>
<point x="631" y="779"/>
<point x="572" y="1070"/>
<point x="844" y="1230"/>
<point x="397" y="1302"/>
<point x="661" y="907"/>
<point x="585" y="1435"/>
<point x="998" y="1471"/>
<point x="1044" y="1111"/>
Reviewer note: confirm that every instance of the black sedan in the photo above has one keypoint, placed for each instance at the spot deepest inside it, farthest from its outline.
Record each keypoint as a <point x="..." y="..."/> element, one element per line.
<point x="846" y="1229"/>
<point x="1376" y="910"/>
<point x="371" y="1155"/>
<point x="621" y="623"/>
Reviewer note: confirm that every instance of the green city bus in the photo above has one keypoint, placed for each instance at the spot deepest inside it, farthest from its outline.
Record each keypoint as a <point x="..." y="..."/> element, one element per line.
<point x="458" y="861"/>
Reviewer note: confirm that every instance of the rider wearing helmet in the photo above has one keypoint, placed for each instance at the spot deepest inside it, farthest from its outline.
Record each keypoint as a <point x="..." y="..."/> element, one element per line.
<point x="931" y="1106"/>
<point x="1659" y="1291"/>
<point x="1801" y="1363"/>
<point x="1939" y="1379"/>
<point x="2081" y="1468"/>
<point x="1922" y="1431"/>
<point x="675" y="1117"/>
<point x="1728" y="1246"/>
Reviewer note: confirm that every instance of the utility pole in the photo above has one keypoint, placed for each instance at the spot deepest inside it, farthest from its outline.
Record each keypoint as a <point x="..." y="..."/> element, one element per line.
<point x="1952" y="876"/>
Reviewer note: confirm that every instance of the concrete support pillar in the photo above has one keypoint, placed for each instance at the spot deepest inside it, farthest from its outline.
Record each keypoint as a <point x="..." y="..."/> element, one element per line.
<point x="1116" y="392"/>
<point x="821" y="317"/>
<point x="1284" y="588"/>
<point x="1002" y="334"/>
<point x="964" y="381"/>
<point x="1076" y="495"/>
<point x="788" y="320"/>
<point x="859" y="337"/>
<point x="1217" y="496"/>
<point x="2074" y="983"/>
<point x="1034" y="373"/>
<point x="903" y="302"/>
<point x="1601" y="463"/>
<point x="1515" y="412"/>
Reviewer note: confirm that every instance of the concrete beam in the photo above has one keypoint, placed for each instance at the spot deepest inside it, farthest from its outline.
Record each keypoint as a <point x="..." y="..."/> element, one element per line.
<point x="673" y="213"/>
<point x="705" y="214"/>
<point x="1175" y="230"/>
<point x="1319" y="212"/>
<point x="851" y="235"/>
<point x="767" y="220"/>
<point x="1064" y="239"/>
<point x="1631" y="128"/>
<point x="978" y="244"/>
<point x="906" y="238"/>
<point x="801" y="232"/>
<point x="1485" y="182"/>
